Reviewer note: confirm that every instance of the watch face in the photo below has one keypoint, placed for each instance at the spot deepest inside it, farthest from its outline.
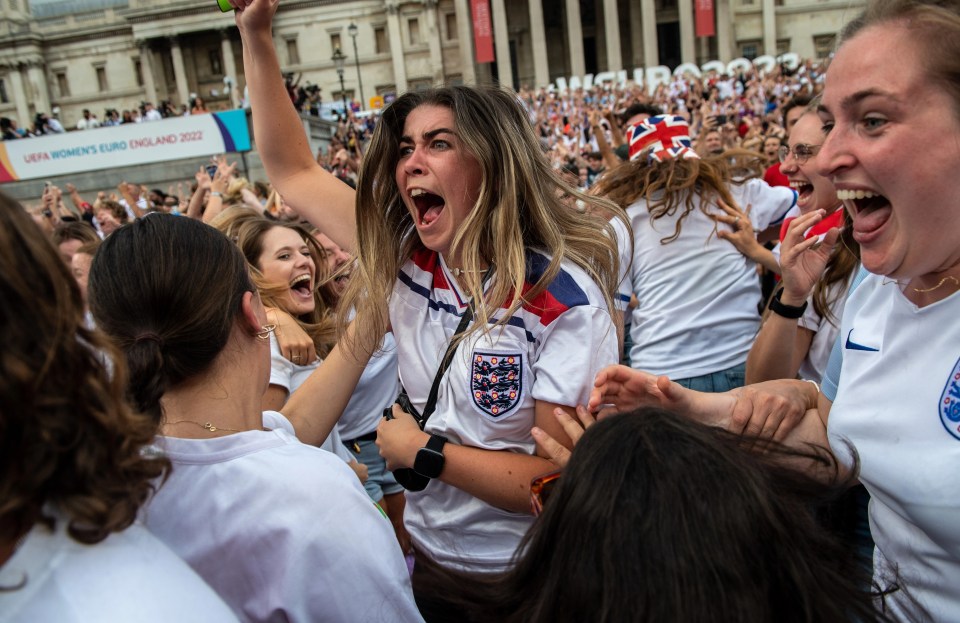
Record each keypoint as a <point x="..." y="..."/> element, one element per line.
<point x="428" y="463"/>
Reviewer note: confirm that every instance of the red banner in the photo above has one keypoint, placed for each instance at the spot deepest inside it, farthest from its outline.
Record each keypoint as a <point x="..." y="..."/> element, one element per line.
<point x="482" y="31"/>
<point x="704" y="19"/>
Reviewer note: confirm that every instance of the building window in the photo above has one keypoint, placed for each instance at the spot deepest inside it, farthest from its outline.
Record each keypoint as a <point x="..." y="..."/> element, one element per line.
<point x="62" y="83"/>
<point x="783" y="46"/>
<point x="414" y="27"/>
<point x="101" y="78"/>
<point x="823" y="45"/>
<point x="4" y="98"/>
<point x="216" y="61"/>
<point x="451" y="22"/>
<point x="335" y="42"/>
<point x="749" y="49"/>
<point x="138" y="71"/>
<point x="293" y="52"/>
<point x="380" y="39"/>
<point x="420" y="85"/>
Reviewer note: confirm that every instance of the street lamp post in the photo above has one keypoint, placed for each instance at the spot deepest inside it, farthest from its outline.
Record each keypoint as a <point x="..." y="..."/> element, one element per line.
<point x="352" y="31"/>
<point x="338" y="59"/>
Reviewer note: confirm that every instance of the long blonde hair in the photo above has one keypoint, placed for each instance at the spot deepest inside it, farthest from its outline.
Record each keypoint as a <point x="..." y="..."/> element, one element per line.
<point x="517" y="209"/>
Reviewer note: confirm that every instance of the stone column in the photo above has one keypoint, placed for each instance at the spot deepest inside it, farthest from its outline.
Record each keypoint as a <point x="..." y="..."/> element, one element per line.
<point x="724" y="31"/>
<point x="396" y="45"/>
<point x="769" y="28"/>
<point x="465" y="38"/>
<point x="501" y="42"/>
<point x="611" y="23"/>
<point x="538" y="38"/>
<point x="179" y="73"/>
<point x="38" y="85"/>
<point x="433" y="40"/>
<point x="24" y="119"/>
<point x="651" y="52"/>
<point x="229" y="66"/>
<point x="688" y="50"/>
<point x="146" y="69"/>
<point x="578" y="66"/>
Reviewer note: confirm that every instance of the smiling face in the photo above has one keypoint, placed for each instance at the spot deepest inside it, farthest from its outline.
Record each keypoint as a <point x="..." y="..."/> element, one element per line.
<point x="893" y="152"/>
<point x="814" y="192"/>
<point x="336" y="259"/>
<point x="438" y="179"/>
<point x="286" y="259"/>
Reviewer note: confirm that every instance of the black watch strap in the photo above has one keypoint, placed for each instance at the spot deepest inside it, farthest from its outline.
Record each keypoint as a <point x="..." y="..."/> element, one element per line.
<point x="436" y="443"/>
<point x="792" y="312"/>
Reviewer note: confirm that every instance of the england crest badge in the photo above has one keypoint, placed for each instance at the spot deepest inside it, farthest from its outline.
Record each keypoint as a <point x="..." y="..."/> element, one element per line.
<point x="496" y="382"/>
<point x="950" y="402"/>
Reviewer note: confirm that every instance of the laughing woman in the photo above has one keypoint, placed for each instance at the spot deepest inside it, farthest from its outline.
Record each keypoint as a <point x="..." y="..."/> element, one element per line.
<point x="458" y="215"/>
<point x="287" y="265"/>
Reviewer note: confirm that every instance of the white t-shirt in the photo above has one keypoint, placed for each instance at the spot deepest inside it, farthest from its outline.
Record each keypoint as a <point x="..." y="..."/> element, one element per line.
<point x="697" y="295"/>
<point x="282" y="530"/>
<point x="825" y="331"/>
<point x="377" y="389"/>
<point x="291" y="376"/>
<point x="550" y="350"/>
<point x="129" y="576"/>
<point x="898" y="403"/>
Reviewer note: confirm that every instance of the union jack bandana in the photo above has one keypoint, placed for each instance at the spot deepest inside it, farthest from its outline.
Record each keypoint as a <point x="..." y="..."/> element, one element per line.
<point x="663" y="136"/>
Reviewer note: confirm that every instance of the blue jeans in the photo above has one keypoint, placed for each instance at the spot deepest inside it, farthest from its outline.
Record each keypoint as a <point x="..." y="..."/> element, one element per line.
<point x="721" y="381"/>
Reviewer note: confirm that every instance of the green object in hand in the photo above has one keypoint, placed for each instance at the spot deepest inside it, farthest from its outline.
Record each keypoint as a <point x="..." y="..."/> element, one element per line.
<point x="224" y="6"/>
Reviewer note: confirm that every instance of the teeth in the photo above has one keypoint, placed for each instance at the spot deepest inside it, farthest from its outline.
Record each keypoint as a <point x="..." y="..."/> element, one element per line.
<point x="798" y="185"/>
<point x="297" y="280"/>
<point x="416" y="192"/>
<point x="850" y="195"/>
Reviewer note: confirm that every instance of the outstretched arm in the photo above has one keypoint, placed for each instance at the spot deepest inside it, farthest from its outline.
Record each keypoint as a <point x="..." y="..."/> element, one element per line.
<point x="314" y="193"/>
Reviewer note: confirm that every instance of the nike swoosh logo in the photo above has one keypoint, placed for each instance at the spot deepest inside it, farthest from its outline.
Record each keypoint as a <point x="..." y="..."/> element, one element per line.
<point x="851" y="345"/>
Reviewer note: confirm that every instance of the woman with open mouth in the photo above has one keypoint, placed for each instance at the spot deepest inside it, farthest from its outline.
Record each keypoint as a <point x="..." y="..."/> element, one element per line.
<point x="890" y="401"/>
<point x="500" y="298"/>
<point x="287" y="266"/>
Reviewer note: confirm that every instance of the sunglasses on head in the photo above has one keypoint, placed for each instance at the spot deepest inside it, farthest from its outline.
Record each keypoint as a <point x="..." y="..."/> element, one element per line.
<point x="540" y="489"/>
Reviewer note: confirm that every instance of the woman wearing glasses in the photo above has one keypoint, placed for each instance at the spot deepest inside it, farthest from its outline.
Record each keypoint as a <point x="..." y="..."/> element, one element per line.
<point x="803" y="320"/>
<point x="698" y="295"/>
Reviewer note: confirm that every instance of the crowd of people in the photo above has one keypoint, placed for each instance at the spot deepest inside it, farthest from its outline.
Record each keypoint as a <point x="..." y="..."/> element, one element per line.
<point x="500" y="356"/>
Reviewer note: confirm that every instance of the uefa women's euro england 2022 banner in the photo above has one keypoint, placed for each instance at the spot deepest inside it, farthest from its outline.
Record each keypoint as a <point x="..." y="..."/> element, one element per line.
<point x="124" y="145"/>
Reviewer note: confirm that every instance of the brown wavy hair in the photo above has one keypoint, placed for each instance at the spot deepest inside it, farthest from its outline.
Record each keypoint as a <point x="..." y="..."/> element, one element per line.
<point x="677" y="184"/>
<point x="320" y="324"/>
<point x="67" y="437"/>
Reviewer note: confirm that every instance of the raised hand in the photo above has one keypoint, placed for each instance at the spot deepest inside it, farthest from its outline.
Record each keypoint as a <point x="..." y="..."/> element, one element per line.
<point x="802" y="261"/>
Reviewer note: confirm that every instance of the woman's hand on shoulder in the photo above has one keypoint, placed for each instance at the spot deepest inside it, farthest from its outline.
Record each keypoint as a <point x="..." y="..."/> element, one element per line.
<point x="295" y="345"/>
<point x="740" y="234"/>
<point x="553" y="449"/>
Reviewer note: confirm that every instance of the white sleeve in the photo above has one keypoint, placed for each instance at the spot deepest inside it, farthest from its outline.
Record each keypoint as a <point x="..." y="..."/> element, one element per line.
<point x="327" y="553"/>
<point x="576" y="346"/>
<point x="769" y="205"/>
<point x="281" y="370"/>
<point x="624" y="238"/>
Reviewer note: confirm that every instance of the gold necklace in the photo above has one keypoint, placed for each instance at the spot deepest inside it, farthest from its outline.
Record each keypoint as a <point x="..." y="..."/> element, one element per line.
<point x="886" y="281"/>
<point x="459" y="272"/>
<point x="942" y="281"/>
<point x="207" y="425"/>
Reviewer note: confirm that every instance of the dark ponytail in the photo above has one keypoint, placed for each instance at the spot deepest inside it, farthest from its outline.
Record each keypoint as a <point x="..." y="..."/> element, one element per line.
<point x="167" y="289"/>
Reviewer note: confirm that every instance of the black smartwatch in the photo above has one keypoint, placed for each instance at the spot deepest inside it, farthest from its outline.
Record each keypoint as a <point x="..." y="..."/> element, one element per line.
<point x="429" y="461"/>
<point x="787" y="311"/>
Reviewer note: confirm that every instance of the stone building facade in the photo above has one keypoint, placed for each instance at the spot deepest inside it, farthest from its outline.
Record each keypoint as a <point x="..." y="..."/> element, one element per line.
<point x="68" y="55"/>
